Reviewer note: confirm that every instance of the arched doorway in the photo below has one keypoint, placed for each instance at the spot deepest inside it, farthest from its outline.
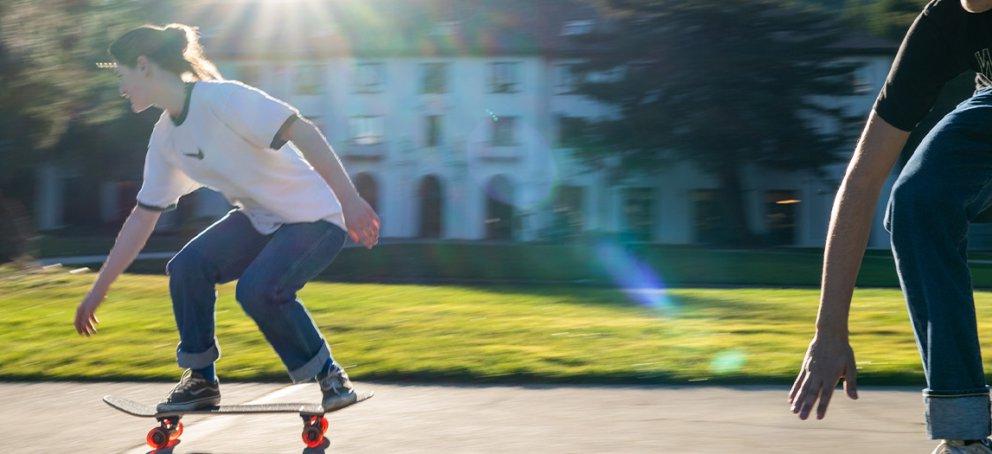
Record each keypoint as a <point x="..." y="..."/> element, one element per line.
<point x="431" y="207"/>
<point x="368" y="189"/>
<point x="499" y="209"/>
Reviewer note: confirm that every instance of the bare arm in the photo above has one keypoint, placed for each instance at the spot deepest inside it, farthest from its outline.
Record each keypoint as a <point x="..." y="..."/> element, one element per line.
<point x="851" y="221"/>
<point x="362" y="222"/>
<point x="132" y="237"/>
<point x="829" y="356"/>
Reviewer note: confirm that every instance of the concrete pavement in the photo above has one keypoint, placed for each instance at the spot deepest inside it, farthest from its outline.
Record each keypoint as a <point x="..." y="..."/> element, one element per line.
<point x="70" y="417"/>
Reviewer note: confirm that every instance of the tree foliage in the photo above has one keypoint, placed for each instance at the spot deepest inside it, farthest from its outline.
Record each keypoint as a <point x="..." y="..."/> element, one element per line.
<point x="722" y="84"/>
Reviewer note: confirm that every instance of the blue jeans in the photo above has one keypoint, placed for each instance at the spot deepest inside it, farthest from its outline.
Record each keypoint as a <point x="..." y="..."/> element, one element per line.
<point x="270" y="270"/>
<point x="943" y="187"/>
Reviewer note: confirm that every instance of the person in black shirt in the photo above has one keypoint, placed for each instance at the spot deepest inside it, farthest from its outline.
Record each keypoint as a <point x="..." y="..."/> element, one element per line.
<point x="944" y="186"/>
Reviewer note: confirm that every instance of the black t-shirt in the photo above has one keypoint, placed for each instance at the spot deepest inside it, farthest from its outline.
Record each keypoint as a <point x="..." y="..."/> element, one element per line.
<point x="943" y="42"/>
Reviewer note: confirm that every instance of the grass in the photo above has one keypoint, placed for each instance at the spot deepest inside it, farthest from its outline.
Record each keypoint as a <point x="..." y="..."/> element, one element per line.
<point x="461" y="334"/>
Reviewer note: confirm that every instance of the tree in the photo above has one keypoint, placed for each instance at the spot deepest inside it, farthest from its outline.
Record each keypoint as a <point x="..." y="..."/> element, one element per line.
<point x="720" y="84"/>
<point x="884" y="18"/>
<point x="49" y="81"/>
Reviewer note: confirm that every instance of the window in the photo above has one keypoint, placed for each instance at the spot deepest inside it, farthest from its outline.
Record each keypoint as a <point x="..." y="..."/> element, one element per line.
<point x="431" y="207"/>
<point x="366" y="130"/>
<point x="503" y="132"/>
<point x="368" y="189"/>
<point x="780" y="216"/>
<point x="637" y="212"/>
<point x="577" y="27"/>
<point x="369" y="77"/>
<point x="707" y="216"/>
<point x="433" y="130"/>
<point x="503" y="77"/>
<point x="501" y="221"/>
<point x="434" y="78"/>
<point x="565" y="79"/>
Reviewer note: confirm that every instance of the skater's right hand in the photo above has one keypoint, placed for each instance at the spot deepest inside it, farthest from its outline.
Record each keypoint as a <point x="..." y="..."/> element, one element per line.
<point x="86" y="320"/>
<point x="828" y="359"/>
<point x="363" y="224"/>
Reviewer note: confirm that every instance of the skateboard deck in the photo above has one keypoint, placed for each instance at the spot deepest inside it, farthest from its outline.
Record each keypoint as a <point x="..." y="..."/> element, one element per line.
<point x="167" y="434"/>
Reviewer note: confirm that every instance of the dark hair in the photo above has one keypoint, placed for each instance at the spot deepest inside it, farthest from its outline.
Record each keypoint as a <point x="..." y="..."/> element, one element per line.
<point x="174" y="47"/>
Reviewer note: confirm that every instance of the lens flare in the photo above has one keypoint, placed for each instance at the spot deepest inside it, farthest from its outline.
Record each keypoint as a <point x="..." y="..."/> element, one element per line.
<point x="728" y="361"/>
<point x="635" y="278"/>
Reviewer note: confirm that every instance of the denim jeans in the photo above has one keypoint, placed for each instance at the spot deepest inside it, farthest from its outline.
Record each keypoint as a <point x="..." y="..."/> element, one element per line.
<point x="943" y="187"/>
<point x="270" y="270"/>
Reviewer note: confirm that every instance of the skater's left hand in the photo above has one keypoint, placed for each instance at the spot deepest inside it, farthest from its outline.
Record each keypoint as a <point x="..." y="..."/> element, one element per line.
<point x="362" y="222"/>
<point x="828" y="360"/>
<point x="86" y="320"/>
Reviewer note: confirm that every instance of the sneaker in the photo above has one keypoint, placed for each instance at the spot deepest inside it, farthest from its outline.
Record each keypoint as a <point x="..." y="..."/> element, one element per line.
<point x="337" y="390"/>
<point x="193" y="392"/>
<point x="964" y="447"/>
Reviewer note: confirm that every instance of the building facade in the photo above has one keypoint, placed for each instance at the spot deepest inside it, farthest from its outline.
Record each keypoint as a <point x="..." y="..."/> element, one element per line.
<point x="457" y="145"/>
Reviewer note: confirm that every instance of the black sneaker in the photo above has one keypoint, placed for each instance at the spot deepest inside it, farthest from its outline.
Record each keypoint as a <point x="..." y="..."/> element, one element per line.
<point x="193" y="392"/>
<point x="337" y="389"/>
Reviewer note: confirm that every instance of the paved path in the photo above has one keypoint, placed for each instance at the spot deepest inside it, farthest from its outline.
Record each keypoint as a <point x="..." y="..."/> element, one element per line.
<point x="69" y="417"/>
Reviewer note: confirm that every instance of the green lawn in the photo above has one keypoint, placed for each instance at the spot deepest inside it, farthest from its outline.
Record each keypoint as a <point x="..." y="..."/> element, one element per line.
<point x="470" y="334"/>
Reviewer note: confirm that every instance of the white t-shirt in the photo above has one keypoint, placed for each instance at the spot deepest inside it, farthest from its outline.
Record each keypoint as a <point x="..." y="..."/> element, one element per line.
<point x="223" y="140"/>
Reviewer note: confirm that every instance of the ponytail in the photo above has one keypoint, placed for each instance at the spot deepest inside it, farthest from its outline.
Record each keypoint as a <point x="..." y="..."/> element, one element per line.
<point x="174" y="47"/>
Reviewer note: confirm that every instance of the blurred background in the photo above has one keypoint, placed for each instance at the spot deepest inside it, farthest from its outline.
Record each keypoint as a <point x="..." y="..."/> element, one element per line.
<point x="571" y="191"/>
<point x="521" y="122"/>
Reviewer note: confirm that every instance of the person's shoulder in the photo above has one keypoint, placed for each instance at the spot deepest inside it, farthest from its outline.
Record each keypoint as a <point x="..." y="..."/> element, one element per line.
<point x="225" y="88"/>
<point x="944" y="9"/>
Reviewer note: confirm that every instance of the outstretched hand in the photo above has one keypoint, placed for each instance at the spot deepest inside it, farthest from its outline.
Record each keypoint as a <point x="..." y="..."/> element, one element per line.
<point x="827" y="361"/>
<point x="86" y="320"/>
<point x="363" y="223"/>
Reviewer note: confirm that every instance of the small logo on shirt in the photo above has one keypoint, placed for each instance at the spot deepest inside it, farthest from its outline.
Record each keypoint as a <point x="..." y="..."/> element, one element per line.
<point x="984" y="59"/>
<point x="197" y="155"/>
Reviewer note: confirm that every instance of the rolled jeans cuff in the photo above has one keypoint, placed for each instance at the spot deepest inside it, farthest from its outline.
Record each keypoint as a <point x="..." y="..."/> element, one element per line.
<point x="309" y="371"/>
<point x="958" y="416"/>
<point x="198" y="360"/>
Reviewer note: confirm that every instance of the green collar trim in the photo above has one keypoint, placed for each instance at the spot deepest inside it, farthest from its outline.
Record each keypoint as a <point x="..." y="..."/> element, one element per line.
<point x="182" y="116"/>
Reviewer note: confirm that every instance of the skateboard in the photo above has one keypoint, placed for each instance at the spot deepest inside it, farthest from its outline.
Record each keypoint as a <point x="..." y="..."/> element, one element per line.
<point x="170" y="427"/>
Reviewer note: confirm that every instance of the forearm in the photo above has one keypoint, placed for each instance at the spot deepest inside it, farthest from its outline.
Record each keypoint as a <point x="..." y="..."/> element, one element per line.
<point x="851" y="221"/>
<point x="321" y="156"/>
<point x="847" y="238"/>
<point x="130" y="240"/>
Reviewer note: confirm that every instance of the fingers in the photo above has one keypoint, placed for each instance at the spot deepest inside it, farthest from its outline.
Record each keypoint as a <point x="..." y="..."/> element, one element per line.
<point x="78" y="322"/>
<point x="85" y="322"/>
<point x="808" y="398"/>
<point x="372" y="234"/>
<point x="821" y="410"/>
<point x="369" y="229"/>
<point x="798" y="384"/>
<point x="851" y="381"/>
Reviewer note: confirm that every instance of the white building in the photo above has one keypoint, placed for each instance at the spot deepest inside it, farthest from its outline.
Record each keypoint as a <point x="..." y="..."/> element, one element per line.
<point x="468" y="145"/>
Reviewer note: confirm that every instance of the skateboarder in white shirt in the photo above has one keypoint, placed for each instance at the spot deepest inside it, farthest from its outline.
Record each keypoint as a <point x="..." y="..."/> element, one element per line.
<point x="294" y="206"/>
